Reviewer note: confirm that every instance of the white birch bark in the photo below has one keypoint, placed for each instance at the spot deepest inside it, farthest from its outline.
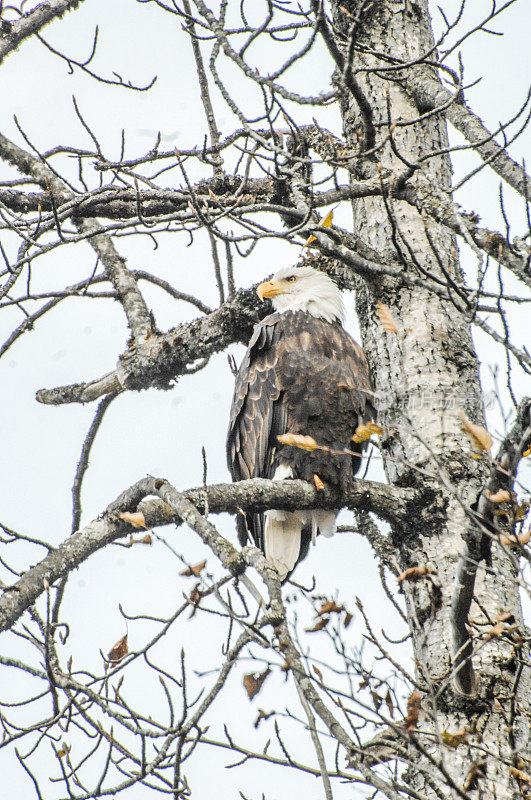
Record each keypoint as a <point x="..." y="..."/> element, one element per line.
<point x="427" y="373"/>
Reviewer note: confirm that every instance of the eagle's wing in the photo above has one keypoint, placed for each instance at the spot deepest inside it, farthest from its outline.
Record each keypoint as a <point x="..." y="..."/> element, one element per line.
<point x="300" y="375"/>
<point x="327" y="390"/>
<point x="258" y="415"/>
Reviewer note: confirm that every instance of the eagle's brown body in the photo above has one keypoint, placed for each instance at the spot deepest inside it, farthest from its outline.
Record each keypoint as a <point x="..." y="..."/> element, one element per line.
<point x="300" y="375"/>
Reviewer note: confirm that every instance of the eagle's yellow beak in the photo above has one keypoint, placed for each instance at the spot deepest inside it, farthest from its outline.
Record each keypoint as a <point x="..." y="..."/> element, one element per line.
<point x="269" y="289"/>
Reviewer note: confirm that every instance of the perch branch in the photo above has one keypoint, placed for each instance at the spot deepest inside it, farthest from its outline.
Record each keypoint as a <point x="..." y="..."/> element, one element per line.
<point x="254" y="495"/>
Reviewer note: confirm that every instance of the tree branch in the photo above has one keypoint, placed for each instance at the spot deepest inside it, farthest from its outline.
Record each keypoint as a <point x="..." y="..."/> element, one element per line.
<point x="122" y="204"/>
<point x="136" y="311"/>
<point x="429" y="93"/>
<point x="162" y="358"/>
<point x="256" y="495"/>
<point x="13" y="33"/>
<point x="502" y="476"/>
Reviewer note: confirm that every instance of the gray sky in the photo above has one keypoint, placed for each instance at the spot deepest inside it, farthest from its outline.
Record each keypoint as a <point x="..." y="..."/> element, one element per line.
<point x="162" y="433"/>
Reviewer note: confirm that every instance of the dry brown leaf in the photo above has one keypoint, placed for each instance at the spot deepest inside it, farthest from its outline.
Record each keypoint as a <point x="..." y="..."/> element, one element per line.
<point x="318" y="672"/>
<point x="413" y="711"/>
<point x="517" y="540"/>
<point x="480" y="437"/>
<point x="501" y="496"/>
<point x="253" y="682"/>
<point x="495" y="631"/>
<point x="504" y="616"/>
<point x="347" y="620"/>
<point x="319" y="625"/>
<point x="386" y="318"/>
<point x="415" y="573"/>
<point x="520" y="512"/>
<point x="193" y="570"/>
<point x="376" y="699"/>
<point x="295" y="440"/>
<point x="328" y="607"/>
<point x="136" y="519"/>
<point x="475" y="772"/>
<point x="524" y="538"/>
<point x="118" y="651"/>
<point x="389" y="703"/>
<point x="454" y="739"/>
<point x="364" y="432"/>
<point x="520" y="775"/>
<point x="144" y="540"/>
<point x="194" y="599"/>
<point x="64" y="750"/>
<point x="326" y="223"/>
<point x="499" y="629"/>
<point x="262" y="715"/>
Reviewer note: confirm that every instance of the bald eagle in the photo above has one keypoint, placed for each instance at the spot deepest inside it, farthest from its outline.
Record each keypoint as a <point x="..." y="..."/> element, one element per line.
<point x="302" y="374"/>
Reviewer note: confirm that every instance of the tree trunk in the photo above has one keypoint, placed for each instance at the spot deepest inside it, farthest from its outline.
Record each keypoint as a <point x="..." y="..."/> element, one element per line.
<point x="427" y="373"/>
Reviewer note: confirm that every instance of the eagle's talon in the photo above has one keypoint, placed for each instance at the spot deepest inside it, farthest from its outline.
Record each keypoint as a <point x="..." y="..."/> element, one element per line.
<point x="319" y="485"/>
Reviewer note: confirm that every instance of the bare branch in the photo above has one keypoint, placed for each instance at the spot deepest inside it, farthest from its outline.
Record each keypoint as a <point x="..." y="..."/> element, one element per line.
<point x="159" y="360"/>
<point x="13" y="33"/>
<point x="136" y="311"/>
<point x="254" y="495"/>
<point x="477" y="546"/>
<point x="428" y="92"/>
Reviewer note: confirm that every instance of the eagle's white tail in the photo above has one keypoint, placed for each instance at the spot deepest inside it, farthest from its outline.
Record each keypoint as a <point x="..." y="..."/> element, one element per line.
<point x="282" y="539"/>
<point x="282" y="534"/>
<point x="323" y="522"/>
<point x="282" y="530"/>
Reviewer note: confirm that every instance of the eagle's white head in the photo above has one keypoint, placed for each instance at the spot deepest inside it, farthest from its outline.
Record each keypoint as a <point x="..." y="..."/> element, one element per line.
<point x="304" y="289"/>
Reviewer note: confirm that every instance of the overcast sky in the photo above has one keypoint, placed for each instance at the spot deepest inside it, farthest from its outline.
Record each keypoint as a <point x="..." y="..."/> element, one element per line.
<point x="162" y="433"/>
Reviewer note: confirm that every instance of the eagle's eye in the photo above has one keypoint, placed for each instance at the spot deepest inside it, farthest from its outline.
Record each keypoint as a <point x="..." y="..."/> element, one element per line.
<point x="291" y="278"/>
